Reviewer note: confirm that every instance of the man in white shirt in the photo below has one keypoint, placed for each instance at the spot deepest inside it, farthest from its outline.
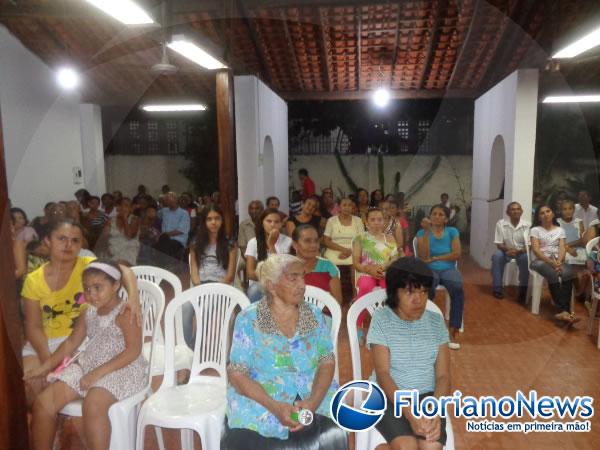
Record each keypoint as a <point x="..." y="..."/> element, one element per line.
<point x="584" y="210"/>
<point x="510" y="238"/>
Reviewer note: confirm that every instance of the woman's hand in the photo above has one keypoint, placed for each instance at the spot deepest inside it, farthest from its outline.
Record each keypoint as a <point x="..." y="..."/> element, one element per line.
<point x="272" y="239"/>
<point x="37" y="372"/>
<point x="434" y="430"/>
<point x="88" y="380"/>
<point x="347" y="253"/>
<point x="570" y="250"/>
<point x="283" y="412"/>
<point x="135" y="310"/>
<point x="426" y="224"/>
<point x="420" y="426"/>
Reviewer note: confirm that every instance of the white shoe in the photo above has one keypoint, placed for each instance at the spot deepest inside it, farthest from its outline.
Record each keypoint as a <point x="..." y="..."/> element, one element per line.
<point x="453" y="345"/>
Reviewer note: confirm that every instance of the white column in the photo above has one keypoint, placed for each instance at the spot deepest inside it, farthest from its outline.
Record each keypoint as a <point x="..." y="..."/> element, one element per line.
<point x="506" y="113"/>
<point x="92" y="149"/>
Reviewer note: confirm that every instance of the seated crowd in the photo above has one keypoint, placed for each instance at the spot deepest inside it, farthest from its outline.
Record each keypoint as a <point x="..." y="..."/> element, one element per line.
<point x="281" y="357"/>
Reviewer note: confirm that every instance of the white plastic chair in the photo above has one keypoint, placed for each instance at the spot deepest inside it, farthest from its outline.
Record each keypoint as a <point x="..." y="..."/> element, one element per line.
<point x="372" y="301"/>
<point x="200" y="404"/>
<point x="183" y="354"/>
<point x="534" y="287"/>
<point x="322" y="299"/>
<point x="593" y="298"/>
<point x="511" y="273"/>
<point x="123" y="414"/>
<point x="439" y="287"/>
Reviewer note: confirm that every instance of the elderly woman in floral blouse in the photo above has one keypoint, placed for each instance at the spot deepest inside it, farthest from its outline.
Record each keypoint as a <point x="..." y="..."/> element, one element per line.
<point x="281" y="361"/>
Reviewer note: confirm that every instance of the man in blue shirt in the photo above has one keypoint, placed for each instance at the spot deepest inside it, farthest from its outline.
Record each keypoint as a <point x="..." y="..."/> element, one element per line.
<point x="175" y="229"/>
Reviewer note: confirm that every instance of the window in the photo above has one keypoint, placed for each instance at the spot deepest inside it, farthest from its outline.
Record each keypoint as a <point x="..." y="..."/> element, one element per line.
<point x="423" y="135"/>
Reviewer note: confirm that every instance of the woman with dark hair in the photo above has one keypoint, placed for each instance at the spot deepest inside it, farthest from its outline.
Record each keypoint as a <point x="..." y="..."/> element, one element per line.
<point x="409" y="351"/>
<point x="83" y="197"/>
<point x="362" y="203"/>
<point x="339" y="233"/>
<point x="123" y="234"/>
<point x="23" y="232"/>
<point x="212" y="253"/>
<point x="439" y="246"/>
<point x="268" y="240"/>
<point x="110" y="368"/>
<point x="95" y="221"/>
<point x="318" y="272"/>
<point x="310" y="206"/>
<point x="548" y="248"/>
<point x="212" y="260"/>
<point x="376" y="198"/>
<point x="372" y="253"/>
<point x="53" y="299"/>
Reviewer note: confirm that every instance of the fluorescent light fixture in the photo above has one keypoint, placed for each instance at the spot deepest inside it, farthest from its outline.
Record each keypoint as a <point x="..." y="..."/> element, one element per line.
<point x="585" y="43"/>
<point x="125" y="11"/>
<point x="381" y="97"/>
<point x="174" y="108"/>
<point x="67" y="78"/>
<point x="572" y="99"/>
<point x="194" y="53"/>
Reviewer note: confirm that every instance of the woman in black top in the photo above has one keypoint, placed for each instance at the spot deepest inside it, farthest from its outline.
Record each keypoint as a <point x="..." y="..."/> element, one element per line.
<point x="306" y="216"/>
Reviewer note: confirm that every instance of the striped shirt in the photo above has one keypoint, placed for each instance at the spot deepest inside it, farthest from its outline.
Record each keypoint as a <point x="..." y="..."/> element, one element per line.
<point x="413" y="346"/>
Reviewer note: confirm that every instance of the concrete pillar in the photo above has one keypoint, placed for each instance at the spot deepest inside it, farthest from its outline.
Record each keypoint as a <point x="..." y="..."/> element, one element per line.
<point x="503" y="153"/>
<point x="92" y="149"/>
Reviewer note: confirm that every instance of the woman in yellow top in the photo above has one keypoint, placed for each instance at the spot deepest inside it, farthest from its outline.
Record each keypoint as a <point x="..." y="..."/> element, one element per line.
<point x="53" y="298"/>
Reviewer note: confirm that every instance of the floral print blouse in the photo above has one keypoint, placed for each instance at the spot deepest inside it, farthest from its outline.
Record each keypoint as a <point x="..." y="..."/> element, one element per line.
<point x="284" y="367"/>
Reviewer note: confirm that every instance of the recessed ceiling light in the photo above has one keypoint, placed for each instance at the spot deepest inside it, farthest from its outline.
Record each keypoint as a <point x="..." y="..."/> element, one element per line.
<point x="125" y="11"/>
<point x="67" y="78"/>
<point x="174" y="108"/>
<point x="572" y="99"/>
<point x="381" y="97"/>
<point x="194" y="53"/>
<point x="590" y="40"/>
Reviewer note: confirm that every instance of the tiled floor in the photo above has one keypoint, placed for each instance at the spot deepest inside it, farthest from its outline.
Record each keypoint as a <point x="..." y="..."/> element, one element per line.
<point x="505" y="348"/>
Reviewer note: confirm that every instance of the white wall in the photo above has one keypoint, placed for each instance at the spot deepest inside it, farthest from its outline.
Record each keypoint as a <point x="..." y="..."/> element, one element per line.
<point x="42" y="130"/>
<point x="508" y="110"/>
<point x="324" y="170"/>
<point x="126" y="172"/>
<point x="260" y="113"/>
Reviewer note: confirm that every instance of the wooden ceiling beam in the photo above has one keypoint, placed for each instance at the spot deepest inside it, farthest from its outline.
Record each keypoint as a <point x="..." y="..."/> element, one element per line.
<point x="505" y="46"/>
<point x="365" y="94"/>
<point x="78" y="9"/>
<point x="442" y="5"/>
<point x="324" y="53"/>
<point x="290" y="44"/>
<point x="254" y="37"/>
<point x="358" y="12"/>
<point x="464" y="45"/>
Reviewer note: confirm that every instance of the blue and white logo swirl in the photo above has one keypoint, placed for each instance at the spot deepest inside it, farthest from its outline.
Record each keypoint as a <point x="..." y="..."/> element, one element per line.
<point x="370" y="412"/>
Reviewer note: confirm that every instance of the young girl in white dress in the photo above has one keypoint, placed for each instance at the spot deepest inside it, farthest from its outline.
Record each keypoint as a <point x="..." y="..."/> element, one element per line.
<point x="109" y="369"/>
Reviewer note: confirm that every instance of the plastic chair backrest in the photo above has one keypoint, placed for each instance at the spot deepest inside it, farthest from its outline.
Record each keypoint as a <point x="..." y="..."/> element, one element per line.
<point x="214" y="305"/>
<point x="157" y="275"/>
<point x="323" y="299"/>
<point x="590" y="245"/>
<point x="152" y="302"/>
<point x="370" y="302"/>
